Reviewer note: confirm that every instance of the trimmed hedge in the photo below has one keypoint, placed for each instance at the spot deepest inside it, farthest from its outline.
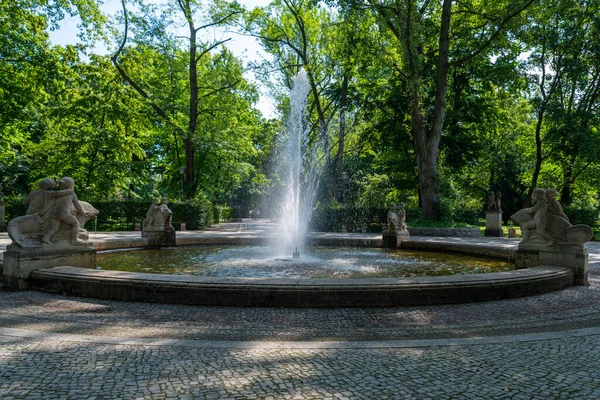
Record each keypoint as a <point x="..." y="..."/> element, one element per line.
<point x="587" y="216"/>
<point x="331" y="219"/>
<point x="122" y="215"/>
<point x="353" y="218"/>
<point x="221" y="214"/>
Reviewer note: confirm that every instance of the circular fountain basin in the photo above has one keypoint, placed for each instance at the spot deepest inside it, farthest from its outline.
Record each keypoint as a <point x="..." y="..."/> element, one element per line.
<point x="314" y="263"/>
<point x="301" y="292"/>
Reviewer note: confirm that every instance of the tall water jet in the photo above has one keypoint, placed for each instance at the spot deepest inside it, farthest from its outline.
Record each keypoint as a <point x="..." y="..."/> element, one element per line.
<point x="300" y="168"/>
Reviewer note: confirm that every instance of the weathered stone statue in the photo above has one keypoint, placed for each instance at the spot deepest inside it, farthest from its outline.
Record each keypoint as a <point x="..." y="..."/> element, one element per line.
<point x="396" y="231"/>
<point x="158" y="217"/>
<point x="54" y="217"/>
<point x="541" y="227"/>
<point x="493" y="215"/>
<point x="494" y="201"/>
<point x="149" y="220"/>
<point x="166" y="213"/>
<point x="499" y="201"/>
<point x="549" y="238"/>
<point x="157" y="226"/>
<point x="50" y="235"/>
<point x="554" y="206"/>
<point x="491" y="201"/>
<point x="392" y="219"/>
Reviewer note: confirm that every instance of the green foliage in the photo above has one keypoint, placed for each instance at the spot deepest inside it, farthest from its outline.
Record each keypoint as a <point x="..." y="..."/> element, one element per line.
<point x="221" y="214"/>
<point x="586" y="216"/>
<point x="354" y="219"/>
<point x="14" y="207"/>
<point x="64" y="111"/>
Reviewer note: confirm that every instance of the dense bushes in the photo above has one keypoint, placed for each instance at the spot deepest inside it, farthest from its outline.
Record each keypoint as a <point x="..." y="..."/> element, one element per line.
<point x="221" y="214"/>
<point x="331" y="219"/>
<point x="116" y="215"/>
<point x="587" y="216"/>
<point x="121" y="215"/>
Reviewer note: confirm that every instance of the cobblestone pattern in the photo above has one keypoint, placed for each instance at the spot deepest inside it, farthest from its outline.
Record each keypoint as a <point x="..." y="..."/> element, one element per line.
<point x="552" y="369"/>
<point x="578" y="306"/>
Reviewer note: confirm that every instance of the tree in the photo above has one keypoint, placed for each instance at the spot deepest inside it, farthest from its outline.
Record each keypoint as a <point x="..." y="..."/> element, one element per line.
<point x="203" y="91"/>
<point x="28" y="65"/>
<point x="92" y="129"/>
<point x="565" y="72"/>
<point x="425" y="64"/>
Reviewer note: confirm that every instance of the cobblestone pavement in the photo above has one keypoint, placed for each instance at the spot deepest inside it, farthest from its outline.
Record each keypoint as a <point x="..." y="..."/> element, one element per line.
<point x="539" y="347"/>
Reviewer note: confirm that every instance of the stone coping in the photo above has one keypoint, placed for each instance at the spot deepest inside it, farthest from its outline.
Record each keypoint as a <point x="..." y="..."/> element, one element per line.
<point x="451" y="232"/>
<point x="272" y="292"/>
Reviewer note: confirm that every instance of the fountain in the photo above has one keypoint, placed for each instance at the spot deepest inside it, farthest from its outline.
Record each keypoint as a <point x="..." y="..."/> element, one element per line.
<point x="324" y="277"/>
<point x="302" y="168"/>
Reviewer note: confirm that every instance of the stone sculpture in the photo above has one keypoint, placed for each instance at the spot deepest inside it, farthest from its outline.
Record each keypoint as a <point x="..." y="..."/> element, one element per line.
<point x="396" y="218"/>
<point x="494" y="201"/>
<point x="493" y="215"/>
<point x="158" y="217"/>
<point x="554" y="206"/>
<point x="157" y="226"/>
<point x="54" y="217"/>
<point x="545" y="224"/>
<point x="396" y="230"/>
<point x="499" y="201"/>
<point x="550" y="239"/>
<point x="50" y="235"/>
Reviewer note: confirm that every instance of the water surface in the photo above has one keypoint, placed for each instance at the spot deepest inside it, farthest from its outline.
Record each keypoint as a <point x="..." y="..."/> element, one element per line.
<point x="315" y="262"/>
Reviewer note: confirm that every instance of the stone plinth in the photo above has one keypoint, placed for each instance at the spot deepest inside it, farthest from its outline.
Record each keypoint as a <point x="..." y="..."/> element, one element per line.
<point x="20" y="262"/>
<point x="493" y="224"/>
<point x="575" y="257"/>
<point x="160" y="238"/>
<point x="393" y="240"/>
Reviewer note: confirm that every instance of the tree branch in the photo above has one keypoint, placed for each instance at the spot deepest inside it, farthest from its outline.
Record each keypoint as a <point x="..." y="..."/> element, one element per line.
<point x="494" y="35"/>
<point x="220" y="42"/>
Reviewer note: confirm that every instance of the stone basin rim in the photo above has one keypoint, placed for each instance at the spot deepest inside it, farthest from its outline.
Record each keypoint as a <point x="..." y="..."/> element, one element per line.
<point x="285" y="292"/>
<point x="323" y="292"/>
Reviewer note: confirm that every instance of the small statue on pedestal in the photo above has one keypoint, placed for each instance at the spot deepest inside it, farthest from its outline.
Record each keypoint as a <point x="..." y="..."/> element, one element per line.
<point x="158" y="217"/>
<point x="396" y="230"/>
<point x="157" y="226"/>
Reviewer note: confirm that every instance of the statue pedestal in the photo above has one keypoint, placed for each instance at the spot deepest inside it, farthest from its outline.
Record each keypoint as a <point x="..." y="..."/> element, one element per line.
<point x="394" y="239"/>
<point x="575" y="257"/>
<point x="493" y="224"/>
<point x="160" y="238"/>
<point x="20" y="262"/>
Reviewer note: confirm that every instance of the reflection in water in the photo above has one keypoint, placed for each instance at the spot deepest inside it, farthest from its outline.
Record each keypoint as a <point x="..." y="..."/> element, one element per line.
<point x="317" y="262"/>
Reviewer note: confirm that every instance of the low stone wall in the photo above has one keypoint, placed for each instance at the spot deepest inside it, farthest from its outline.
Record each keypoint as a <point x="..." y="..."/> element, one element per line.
<point x="272" y="292"/>
<point x="454" y="232"/>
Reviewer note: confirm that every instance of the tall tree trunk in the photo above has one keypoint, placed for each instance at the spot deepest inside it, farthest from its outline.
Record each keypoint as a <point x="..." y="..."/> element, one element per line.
<point x="539" y="159"/>
<point x="427" y="141"/>
<point x="339" y="161"/>
<point x="189" y="182"/>
<point x="565" y="191"/>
